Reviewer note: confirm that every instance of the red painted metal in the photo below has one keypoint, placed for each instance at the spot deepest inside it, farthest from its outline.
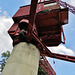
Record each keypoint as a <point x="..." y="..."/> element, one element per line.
<point x="33" y="8"/>
<point x="46" y="66"/>
<point x="47" y="52"/>
<point x="32" y="17"/>
<point x="59" y="56"/>
<point x="25" y="10"/>
<point x="70" y="7"/>
<point x="45" y="28"/>
<point x="64" y="4"/>
<point x="49" y="28"/>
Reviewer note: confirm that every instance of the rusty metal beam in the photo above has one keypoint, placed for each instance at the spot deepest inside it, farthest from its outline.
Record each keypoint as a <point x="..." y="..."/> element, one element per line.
<point x="32" y="17"/>
<point x="33" y="11"/>
<point x="59" y="56"/>
<point x="49" y="66"/>
<point x="46" y="66"/>
<point x="53" y="55"/>
<point x="63" y="57"/>
<point x="40" y="42"/>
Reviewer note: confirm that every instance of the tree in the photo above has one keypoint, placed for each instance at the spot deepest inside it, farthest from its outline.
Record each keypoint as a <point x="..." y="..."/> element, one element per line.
<point x="4" y="57"/>
<point x="41" y="71"/>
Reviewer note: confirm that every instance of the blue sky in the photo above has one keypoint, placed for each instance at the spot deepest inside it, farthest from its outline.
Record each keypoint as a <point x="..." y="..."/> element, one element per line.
<point x="9" y="7"/>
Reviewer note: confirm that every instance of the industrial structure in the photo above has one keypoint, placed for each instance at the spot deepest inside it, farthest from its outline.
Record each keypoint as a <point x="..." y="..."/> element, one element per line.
<point x="40" y="23"/>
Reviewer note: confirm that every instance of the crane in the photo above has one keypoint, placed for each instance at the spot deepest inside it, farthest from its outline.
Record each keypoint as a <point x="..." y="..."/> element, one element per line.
<point x="44" y="20"/>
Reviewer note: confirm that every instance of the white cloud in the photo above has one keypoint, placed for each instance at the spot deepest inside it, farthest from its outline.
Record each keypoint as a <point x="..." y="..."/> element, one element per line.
<point x="5" y="40"/>
<point x="27" y="2"/>
<point x="62" y="50"/>
<point x="72" y="2"/>
<point x="5" y="13"/>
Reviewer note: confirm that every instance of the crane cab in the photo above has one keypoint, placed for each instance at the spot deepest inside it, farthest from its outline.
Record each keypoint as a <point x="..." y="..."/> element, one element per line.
<point x="48" y="22"/>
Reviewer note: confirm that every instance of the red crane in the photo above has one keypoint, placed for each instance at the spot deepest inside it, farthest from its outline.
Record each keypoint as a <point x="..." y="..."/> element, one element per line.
<point x="44" y="20"/>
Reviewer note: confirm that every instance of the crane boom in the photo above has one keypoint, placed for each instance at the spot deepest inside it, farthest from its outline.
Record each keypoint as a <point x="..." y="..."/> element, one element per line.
<point x="70" y="7"/>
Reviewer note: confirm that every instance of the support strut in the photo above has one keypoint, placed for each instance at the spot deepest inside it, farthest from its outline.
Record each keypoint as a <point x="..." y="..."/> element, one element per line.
<point x="48" y="53"/>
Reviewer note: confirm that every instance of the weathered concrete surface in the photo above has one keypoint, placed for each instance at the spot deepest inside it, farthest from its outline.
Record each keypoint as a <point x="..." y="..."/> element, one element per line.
<point x="24" y="60"/>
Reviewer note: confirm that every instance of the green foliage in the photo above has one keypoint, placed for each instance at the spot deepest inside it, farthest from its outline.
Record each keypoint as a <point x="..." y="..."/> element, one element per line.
<point x="2" y="66"/>
<point x="5" y="56"/>
<point x="41" y="71"/>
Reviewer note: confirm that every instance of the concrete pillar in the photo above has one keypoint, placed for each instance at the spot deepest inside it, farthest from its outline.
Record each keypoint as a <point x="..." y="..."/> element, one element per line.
<point x="24" y="60"/>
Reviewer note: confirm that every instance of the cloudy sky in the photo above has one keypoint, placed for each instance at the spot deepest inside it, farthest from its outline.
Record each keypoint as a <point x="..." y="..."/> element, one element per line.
<point x="8" y="9"/>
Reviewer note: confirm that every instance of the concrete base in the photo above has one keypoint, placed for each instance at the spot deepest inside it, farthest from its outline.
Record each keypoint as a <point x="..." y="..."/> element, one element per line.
<point x="24" y="60"/>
